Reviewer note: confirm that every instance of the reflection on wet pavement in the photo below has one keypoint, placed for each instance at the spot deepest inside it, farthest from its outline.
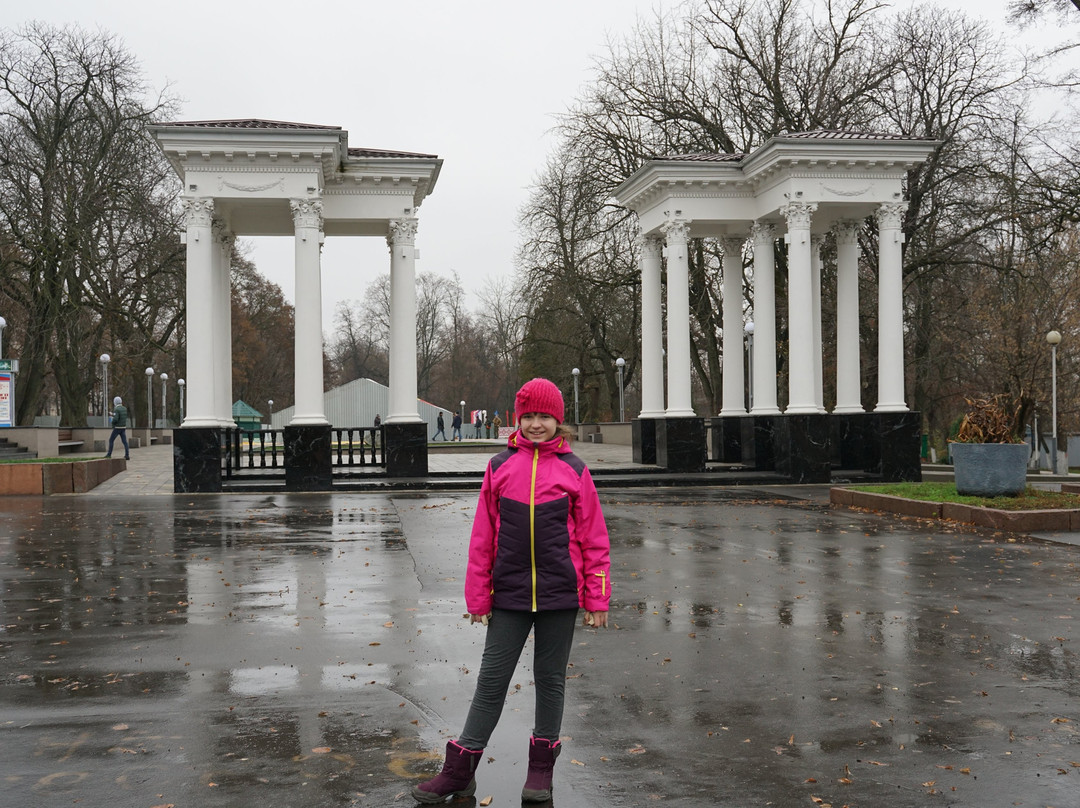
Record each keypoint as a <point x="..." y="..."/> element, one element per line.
<point x="310" y="650"/>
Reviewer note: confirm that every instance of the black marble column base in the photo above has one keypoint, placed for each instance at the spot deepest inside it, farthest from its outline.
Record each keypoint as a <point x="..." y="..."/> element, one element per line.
<point x="308" y="458"/>
<point x="406" y="449"/>
<point x="899" y="436"/>
<point x="758" y="447"/>
<point x="197" y="460"/>
<point x="802" y="446"/>
<point x="726" y="444"/>
<point x="643" y="431"/>
<point x="854" y="442"/>
<point x="680" y="444"/>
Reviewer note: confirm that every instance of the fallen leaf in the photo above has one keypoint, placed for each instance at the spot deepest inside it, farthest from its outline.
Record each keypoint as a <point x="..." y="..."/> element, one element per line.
<point x="487" y="800"/>
<point x="577" y="762"/>
<point x="320" y="750"/>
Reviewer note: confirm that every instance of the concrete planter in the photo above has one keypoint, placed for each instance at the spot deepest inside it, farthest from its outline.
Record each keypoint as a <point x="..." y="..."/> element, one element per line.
<point x="990" y="469"/>
<point x="57" y="478"/>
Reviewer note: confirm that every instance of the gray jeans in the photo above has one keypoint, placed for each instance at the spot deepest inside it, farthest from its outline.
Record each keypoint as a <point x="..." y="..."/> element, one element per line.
<point x="506" y="635"/>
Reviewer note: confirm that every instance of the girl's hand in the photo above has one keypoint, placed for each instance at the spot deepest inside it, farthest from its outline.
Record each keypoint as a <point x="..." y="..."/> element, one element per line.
<point x="480" y="618"/>
<point x="596" y="619"/>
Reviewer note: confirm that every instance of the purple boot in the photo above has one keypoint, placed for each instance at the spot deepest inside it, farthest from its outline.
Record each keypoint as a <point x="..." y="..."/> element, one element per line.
<point x="456" y="777"/>
<point x="542" y="756"/>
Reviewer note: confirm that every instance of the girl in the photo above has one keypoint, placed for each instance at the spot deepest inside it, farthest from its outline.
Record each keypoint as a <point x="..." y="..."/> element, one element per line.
<point x="539" y="551"/>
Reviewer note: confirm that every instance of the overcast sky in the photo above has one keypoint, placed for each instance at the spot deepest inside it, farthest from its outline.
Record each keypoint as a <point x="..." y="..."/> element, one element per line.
<point x="476" y="82"/>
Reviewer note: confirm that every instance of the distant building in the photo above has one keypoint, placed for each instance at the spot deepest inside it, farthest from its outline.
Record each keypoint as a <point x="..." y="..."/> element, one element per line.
<point x="357" y="403"/>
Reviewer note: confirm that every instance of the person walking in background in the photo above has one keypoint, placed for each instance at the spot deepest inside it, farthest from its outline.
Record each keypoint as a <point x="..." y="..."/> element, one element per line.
<point x="479" y="424"/>
<point x="440" y="426"/>
<point x="119" y="420"/>
<point x="455" y="427"/>
<point x="487" y="427"/>
<point x="378" y="432"/>
<point x="496" y="422"/>
<point x="539" y="551"/>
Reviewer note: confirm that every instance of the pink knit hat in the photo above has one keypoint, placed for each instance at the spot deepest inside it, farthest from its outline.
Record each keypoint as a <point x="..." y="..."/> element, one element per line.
<point x="539" y="395"/>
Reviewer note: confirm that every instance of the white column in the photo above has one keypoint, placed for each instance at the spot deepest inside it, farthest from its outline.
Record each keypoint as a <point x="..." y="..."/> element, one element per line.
<point x="848" y="373"/>
<point x="733" y="400"/>
<point x="801" y="397"/>
<point x="308" y="345"/>
<point x="402" y="244"/>
<point x="202" y="358"/>
<point x="815" y="313"/>
<point x="890" y="308"/>
<point x="764" y="320"/>
<point x="680" y="403"/>
<point x="222" y="313"/>
<point x="652" y="330"/>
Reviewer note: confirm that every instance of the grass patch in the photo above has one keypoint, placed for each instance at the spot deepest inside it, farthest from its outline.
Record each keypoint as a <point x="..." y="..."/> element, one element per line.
<point x="1032" y="499"/>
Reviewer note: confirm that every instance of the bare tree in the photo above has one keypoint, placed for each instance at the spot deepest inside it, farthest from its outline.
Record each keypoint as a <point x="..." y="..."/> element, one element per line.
<point x="85" y="209"/>
<point x="1024" y="11"/>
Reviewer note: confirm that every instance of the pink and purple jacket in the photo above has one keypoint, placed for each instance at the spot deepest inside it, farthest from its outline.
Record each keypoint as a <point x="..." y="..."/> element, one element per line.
<point x="539" y="541"/>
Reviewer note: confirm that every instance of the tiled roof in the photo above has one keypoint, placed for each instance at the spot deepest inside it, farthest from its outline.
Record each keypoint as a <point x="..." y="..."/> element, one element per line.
<point x="704" y="157"/>
<point x="362" y="152"/>
<point x="250" y="123"/>
<point x="839" y="134"/>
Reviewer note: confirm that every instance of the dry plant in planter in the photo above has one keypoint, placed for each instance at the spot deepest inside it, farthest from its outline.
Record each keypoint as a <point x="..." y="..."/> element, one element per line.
<point x="989" y="420"/>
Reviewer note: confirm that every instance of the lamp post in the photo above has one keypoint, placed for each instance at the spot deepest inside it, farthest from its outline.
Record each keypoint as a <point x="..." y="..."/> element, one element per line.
<point x="1053" y="337"/>
<point x="620" y="363"/>
<point x="149" y="397"/>
<point x="270" y="404"/>
<point x="575" y="373"/>
<point x="164" y="378"/>
<point x="105" y="359"/>
<point x="463" y="426"/>
<point x="3" y="325"/>
<point x="180" y="383"/>
<point x="749" y="329"/>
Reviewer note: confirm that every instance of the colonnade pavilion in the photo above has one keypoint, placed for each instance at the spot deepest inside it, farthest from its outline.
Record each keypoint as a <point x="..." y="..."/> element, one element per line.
<point x="270" y="178"/>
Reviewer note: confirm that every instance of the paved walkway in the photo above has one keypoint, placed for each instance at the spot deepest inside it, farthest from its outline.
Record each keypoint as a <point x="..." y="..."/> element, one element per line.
<point x="301" y="650"/>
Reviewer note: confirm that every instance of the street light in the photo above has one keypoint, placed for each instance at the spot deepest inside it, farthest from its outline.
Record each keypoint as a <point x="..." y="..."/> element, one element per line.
<point x="620" y="363"/>
<point x="749" y="329"/>
<point x="105" y="359"/>
<point x="180" y="383"/>
<point x="164" y="378"/>
<point x="1053" y="337"/>
<point x="149" y="397"/>
<point x="270" y="404"/>
<point x="575" y="373"/>
<point x="3" y="325"/>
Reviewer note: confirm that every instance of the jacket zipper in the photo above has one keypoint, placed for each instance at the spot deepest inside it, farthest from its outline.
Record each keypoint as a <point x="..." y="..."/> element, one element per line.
<point x="532" y="523"/>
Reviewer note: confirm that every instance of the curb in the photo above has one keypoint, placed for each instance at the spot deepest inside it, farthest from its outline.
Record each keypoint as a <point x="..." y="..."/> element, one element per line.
<point x="1014" y="521"/>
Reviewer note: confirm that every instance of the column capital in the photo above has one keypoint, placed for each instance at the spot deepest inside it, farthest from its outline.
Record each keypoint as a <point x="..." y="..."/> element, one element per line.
<point x="307" y="213"/>
<point x="733" y="245"/>
<point x="890" y="216"/>
<point x="847" y="231"/>
<point x="222" y="234"/>
<point x="651" y="246"/>
<point x="676" y="230"/>
<point x="198" y="212"/>
<point x="402" y="232"/>
<point x="763" y="233"/>
<point x="798" y="214"/>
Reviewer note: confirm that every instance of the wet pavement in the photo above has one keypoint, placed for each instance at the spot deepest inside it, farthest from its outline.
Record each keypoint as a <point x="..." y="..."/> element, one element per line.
<point x="309" y="650"/>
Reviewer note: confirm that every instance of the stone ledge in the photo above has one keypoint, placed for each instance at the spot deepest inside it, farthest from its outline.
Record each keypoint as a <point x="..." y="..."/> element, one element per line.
<point x="76" y="477"/>
<point x="1014" y="521"/>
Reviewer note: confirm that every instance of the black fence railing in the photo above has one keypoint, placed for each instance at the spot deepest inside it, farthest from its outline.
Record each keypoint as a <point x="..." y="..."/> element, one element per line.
<point x="260" y="452"/>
